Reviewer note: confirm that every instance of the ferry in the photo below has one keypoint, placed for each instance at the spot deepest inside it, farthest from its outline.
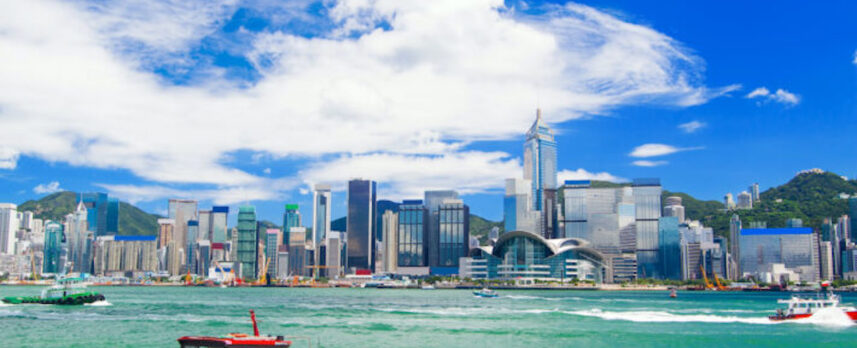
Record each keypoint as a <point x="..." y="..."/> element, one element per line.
<point x="235" y="339"/>
<point x="804" y="307"/>
<point x="487" y="293"/>
<point x="67" y="291"/>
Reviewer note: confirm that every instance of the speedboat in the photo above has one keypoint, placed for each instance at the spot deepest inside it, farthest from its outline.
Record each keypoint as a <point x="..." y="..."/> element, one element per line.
<point x="805" y="307"/>
<point x="67" y="291"/>
<point x="488" y="293"/>
<point x="235" y="339"/>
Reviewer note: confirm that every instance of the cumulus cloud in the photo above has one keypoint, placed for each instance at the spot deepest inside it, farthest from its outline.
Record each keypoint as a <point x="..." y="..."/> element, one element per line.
<point x="78" y="88"/>
<point x="855" y="58"/>
<point x="644" y="163"/>
<point x="583" y="174"/>
<point x="51" y="187"/>
<point x="691" y="126"/>
<point x="654" y="150"/>
<point x="780" y="96"/>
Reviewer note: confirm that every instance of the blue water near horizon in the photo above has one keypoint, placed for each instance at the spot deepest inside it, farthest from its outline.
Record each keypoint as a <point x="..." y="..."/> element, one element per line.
<point x="157" y="316"/>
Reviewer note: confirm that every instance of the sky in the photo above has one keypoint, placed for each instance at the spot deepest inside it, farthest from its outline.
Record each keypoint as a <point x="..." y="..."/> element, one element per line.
<point x="233" y="102"/>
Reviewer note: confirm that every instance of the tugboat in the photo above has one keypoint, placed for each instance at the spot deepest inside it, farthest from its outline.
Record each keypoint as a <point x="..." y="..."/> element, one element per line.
<point x="235" y="339"/>
<point x="67" y="291"/>
<point x="802" y="308"/>
<point x="485" y="292"/>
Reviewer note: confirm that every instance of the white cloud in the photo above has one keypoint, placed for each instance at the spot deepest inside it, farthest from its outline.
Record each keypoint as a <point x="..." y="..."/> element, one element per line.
<point x="654" y="150"/>
<point x="8" y="158"/>
<point x="855" y="57"/>
<point x="267" y="171"/>
<point x="445" y="74"/>
<point x="780" y="96"/>
<point x="644" y="163"/>
<point x="692" y="126"/>
<point x="270" y="189"/>
<point x="583" y="174"/>
<point x="51" y="187"/>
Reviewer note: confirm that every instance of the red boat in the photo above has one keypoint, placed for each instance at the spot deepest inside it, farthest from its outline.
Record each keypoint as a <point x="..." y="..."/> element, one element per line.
<point x="803" y="308"/>
<point x="235" y="339"/>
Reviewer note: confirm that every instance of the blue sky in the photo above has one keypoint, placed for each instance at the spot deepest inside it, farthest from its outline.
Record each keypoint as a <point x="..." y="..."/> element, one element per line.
<point x="230" y="102"/>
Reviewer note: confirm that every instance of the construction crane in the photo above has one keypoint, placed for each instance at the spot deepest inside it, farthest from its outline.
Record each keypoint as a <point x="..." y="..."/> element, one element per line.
<point x="717" y="281"/>
<point x="705" y="277"/>
<point x="315" y="269"/>
<point x="264" y="277"/>
<point x="33" y="264"/>
<point x="222" y="273"/>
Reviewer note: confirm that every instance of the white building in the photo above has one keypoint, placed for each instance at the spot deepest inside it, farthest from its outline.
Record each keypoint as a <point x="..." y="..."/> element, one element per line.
<point x="8" y="227"/>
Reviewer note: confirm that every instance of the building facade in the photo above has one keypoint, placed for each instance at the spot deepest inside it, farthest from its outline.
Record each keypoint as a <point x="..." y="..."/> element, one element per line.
<point x="247" y="252"/>
<point x="412" y="237"/>
<point x="320" y="219"/>
<point x="360" y="229"/>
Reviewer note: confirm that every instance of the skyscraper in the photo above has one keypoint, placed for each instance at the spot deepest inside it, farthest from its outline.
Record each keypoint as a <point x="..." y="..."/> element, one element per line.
<point x="390" y="227"/>
<point x="728" y="202"/>
<point x="673" y="207"/>
<point x="670" y="248"/>
<point x="454" y="232"/>
<point x="540" y="169"/>
<point x="8" y="227"/>
<point x="360" y="229"/>
<point x="597" y="215"/>
<point x="79" y="239"/>
<point x="381" y="207"/>
<point x="754" y="192"/>
<point x="735" y="243"/>
<point x="412" y="237"/>
<point x="51" y="262"/>
<point x="273" y="240"/>
<point x="112" y="218"/>
<point x="518" y="213"/>
<point x="247" y="242"/>
<point x="204" y="218"/>
<point x="291" y="218"/>
<point x="191" y="238"/>
<point x="433" y="201"/>
<point x="297" y="251"/>
<point x="852" y="216"/>
<point x="745" y="200"/>
<point x="166" y="231"/>
<point x="320" y="218"/>
<point x="219" y="216"/>
<point x="647" y="206"/>
<point x="540" y="159"/>
<point x="182" y="211"/>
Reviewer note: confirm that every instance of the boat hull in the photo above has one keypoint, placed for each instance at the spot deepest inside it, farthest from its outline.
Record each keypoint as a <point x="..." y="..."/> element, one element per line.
<point x="74" y="299"/>
<point x="206" y="341"/>
<point x="851" y="314"/>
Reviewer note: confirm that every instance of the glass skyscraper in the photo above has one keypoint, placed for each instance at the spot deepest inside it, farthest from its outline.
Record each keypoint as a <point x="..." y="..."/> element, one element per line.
<point x="291" y="218"/>
<point x="182" y="211"/>
<point x="102" y="213"/>
<point x="320" y="218"/>
<point x="647" y="206"/>
<point x="454" y="232"/>
<point x="540" y="160"/>
<point x="852" y="216"/>
<point x="517" y="207"/>
<point x="360" y="228"/>
<point x="247" y="242"/>
<point x="51" y="262"/>
<point x="219" y="214"/>
<point x="761" y="247"/>
<point x="412" y="237"/>
<point x="433" y="201"/>
<point x="669" y="242"/>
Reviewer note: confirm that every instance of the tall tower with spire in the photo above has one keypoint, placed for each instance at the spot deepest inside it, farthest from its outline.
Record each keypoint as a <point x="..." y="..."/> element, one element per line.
<point x="540" y="160"/>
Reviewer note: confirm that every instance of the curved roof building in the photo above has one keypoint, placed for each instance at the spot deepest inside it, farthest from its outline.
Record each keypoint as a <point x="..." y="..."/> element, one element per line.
<point x="520" y="254"/>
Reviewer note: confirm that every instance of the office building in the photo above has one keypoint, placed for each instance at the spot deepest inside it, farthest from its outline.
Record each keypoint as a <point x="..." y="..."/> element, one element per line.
<point x="333" y="254"/>
<point x="852" y="217"/>
<point x="843" y="225"/>
<point x="204" y="219"/>
<point x="540" y="160"/>
<point x="669" y="242"/>
<point x="390" y="228"/>
<point x="52" y="262"/>
<point x="361" y="225"/>
<point x="181" y="211"/>
<point x="518" y="213"/>
<point x="190" y="248"/>
<point x="735" y="244"/>
<point x="745" y="200"/>
<point x="247" y="253"/>
<point x="412" y="237"/>
<point x="598" y="215"/>
<point x="673" y="207"/>
<point x="647" y="209"/>
<point x="320" y="218"/>
<point x="166" y="231"/>
<point x="825" y="249"/>
<point x="453" y="219"/>
<point x="79" y="240"/>
<point x="381" y="207"/>
<point x="102" y="213"/>
<point x="219" y="216"/>
<point x="8" y="227"/>
<point x="795" y="248"/>
<point x="273" y="241"/>
<point x="433" y="200"/>
<point x="291" y="218"/>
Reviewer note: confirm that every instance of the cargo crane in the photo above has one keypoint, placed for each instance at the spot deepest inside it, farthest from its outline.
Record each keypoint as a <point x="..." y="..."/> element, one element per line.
<point x="263" y="278"/>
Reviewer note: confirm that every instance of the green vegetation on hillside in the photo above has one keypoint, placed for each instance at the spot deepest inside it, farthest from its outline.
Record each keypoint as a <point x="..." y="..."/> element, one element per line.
<point x="479" y="227"/>
<point x="132" y="220"/>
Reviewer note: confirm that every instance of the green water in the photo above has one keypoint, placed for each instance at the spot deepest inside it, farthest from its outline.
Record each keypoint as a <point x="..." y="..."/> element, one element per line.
<point x="155" y="317"/>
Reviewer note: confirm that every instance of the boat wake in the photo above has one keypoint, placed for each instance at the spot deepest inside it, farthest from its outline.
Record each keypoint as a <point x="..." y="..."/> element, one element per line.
<point x="666" y="317"/>
<point x="832" y="317"/>
<point x="99" y="304"/>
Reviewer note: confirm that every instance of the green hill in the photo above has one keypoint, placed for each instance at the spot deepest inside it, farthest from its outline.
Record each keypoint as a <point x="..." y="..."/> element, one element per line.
<point x="811" y="197"/>
<point x="132" y="220"/>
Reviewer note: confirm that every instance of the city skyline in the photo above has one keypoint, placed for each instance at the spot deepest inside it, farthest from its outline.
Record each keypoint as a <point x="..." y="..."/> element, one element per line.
<point x="705" y="119"/>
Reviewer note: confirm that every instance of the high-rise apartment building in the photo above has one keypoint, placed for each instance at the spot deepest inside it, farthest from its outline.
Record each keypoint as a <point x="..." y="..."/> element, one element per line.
<point x="166" y="231"/>
<point x="754" y="192"/>
<point x="360" y="229"/>
<point x="247" y="252"/>
<point x="745" y="200"/>
<point x="728" y="202"/>
<point x="8" y="227"/>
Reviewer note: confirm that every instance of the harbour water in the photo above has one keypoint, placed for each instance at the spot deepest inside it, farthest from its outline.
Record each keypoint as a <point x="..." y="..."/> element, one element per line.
<point x="156" y="316"/>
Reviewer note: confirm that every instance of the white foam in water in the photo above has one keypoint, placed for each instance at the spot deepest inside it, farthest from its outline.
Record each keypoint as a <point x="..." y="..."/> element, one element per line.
<point x="99" y="304"/>
<point x="834" y="317"/>
<point x="666" y="317"/>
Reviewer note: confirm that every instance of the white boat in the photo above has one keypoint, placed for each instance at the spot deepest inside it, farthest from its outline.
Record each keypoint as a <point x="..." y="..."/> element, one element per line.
<point x="486" y="293"/>
<point x="805" y="307"/>
<point x="427" y="287"/>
